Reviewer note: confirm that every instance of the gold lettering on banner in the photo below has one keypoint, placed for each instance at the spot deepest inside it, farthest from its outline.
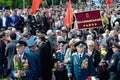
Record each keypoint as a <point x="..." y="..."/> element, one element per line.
<point x="84" y="25"/>
<point x="88" y="21"/>
<point x="92" y="24"/>
<point x="89" y="24"/>
<point x="95" y="24"/>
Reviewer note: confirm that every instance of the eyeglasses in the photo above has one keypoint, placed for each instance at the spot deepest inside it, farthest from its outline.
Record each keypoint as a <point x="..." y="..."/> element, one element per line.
<point x="90" y="45"/>
<point x="80" y="46"/>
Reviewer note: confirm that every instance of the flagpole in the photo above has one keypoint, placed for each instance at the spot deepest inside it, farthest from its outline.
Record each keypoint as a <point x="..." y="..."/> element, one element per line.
<point x="23" y="4"/>
<point x="52" y="2"/>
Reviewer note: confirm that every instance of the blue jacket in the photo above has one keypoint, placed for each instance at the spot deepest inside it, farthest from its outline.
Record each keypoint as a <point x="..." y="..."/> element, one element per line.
<point x="74" y="67"/>
<point x="60" y="55"/>
<point x="30" y="73"/>
<point x="36" y="59"/>
<point x="14" y="21"/>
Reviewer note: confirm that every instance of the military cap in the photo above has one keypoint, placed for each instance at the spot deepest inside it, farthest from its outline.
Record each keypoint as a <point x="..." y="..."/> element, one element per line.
<point x="62" y="43"/>
<point x="80" y="43"/>
<point x="115" y="44"/>
<point x="31" y="42"/>
<point x="21" y="43"/>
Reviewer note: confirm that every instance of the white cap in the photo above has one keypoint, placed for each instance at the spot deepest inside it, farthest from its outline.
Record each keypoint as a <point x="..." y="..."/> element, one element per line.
<point x="64" y="28"/>
<point x="49" y="32"/>
<point x="116" y="23"/>
<point x="57" y="31"/>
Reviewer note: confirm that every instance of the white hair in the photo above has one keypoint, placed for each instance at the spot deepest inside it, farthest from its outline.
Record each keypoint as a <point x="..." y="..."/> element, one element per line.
<point x="89" y="37"/>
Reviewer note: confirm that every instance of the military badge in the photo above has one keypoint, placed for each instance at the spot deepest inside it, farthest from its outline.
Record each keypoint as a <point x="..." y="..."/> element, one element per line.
<point x="112" y="61"/>
<point x="75" y="61"/>
<point x="84" y="64"/>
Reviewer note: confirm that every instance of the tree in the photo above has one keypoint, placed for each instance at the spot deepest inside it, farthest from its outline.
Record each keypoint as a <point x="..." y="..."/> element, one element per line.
<point x="7" y="3"/>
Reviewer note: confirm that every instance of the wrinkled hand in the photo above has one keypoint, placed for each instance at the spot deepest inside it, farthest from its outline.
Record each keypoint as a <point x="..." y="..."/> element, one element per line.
<point x="54" y="55"/>
<point x="21" y="73"/>
<point x="26" y="66"/>
<point x="101" y="62"/>
<point x="69" y="75"/>
<point x="17" y="75"/>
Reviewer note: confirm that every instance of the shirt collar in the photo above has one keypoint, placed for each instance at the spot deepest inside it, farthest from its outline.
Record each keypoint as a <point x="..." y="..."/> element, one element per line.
<point x="81" y="54"/>
<point x="22" y="56"/>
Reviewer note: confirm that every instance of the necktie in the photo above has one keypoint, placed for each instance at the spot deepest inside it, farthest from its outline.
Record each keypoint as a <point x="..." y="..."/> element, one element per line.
<point x="80" y="56"/>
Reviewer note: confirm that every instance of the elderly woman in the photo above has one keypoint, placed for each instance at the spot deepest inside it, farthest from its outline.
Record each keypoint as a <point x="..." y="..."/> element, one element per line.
<point x="70" y="50"/>
<point x="92" y="52"/>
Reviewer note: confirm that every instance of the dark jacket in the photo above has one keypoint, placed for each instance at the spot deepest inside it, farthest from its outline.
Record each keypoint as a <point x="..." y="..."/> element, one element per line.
<point x="46" y="61"/>
<point x="112" y="67"/>
<point x="7" y="21"/>
<point x="10" y="52"/>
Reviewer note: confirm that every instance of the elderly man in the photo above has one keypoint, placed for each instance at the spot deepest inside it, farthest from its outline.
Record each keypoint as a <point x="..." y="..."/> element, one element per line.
<point x="23" y="66"/>
<point x="31" y="51"/>
<point x="81" y="64"/>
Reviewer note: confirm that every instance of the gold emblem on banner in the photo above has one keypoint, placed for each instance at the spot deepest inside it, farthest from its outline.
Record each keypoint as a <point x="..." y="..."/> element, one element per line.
<point x="87" y="15"/>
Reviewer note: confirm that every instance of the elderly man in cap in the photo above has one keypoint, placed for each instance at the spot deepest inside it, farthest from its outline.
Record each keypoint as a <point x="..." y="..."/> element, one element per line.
<point x="23" y="66"/>
<point x="31" y="44"/>
<point x="61" y="73"/>
<point x="112" y="67"/>
<point x="80" y="66"/>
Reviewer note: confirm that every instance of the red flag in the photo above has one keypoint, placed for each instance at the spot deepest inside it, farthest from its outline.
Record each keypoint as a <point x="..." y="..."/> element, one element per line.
<point x="69" y="15"/>
<point x="109" y="2"/>
<point x="35" y="5"/>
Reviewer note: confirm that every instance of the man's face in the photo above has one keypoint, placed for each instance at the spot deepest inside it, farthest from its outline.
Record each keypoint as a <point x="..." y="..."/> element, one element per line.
<point x="114" y="49"/>
<point x="80" y="49"/>
<point x="20" y="49"/>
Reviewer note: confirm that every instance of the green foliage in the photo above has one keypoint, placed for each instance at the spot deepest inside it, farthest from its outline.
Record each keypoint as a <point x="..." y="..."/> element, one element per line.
<point x="28" y="3"/>
<point x="6" y="2"/>
<point x="2" y="78"/>
<point x="18" y="3"/>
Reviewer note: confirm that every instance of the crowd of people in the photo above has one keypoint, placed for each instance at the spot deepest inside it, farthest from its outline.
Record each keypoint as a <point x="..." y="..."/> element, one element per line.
<point x="41" y="47"/>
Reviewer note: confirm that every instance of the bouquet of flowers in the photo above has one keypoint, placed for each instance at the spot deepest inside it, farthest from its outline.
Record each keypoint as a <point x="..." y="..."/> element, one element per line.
<point x="58" y="66"/>
<point x="103" y="53"/>
<point x="84" y="64"/>
<point x="25" y="64"/>
<point x="91" y="78"/>
<point x="20" y="65"/>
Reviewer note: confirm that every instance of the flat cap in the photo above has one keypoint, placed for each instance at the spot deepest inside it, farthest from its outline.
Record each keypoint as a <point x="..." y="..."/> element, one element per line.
<point x="62" y="43"/>
<point x="115" y="44"/>
<point x="21" y="43"/>
<point x="80" y="43"/>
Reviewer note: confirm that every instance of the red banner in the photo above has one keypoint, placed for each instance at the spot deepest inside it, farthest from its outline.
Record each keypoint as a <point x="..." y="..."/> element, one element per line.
<point x="89" y="19"/>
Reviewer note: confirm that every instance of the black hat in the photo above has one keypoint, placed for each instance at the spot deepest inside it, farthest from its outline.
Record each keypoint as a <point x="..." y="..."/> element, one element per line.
<point x="62" y="42"/>
<point x="80" y="43"/>
<point x="21" y="43"/>
<point x="42" y="37"/>
<point x="115" y="44"/>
